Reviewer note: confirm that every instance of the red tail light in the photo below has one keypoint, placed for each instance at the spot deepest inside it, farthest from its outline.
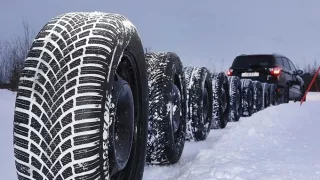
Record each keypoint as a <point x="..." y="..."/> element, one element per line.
<point x="275" y="71"/>
<point x="229" y="73"/>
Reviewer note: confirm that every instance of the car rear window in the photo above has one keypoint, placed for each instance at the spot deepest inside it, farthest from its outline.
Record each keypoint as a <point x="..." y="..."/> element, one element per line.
<point x="244" y="62"/>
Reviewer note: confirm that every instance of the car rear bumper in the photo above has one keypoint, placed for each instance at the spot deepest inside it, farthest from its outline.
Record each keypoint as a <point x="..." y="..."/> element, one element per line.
<point x="269" y="80"/>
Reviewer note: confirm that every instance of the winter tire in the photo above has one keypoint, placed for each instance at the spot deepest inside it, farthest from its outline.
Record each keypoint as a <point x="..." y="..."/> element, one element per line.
<point x="266" y="95"/>
<point x="235" y="98"/>
<point x="257" y="96"/>
<point x="273" y="94"/>
<point x="82" y="106"/>
<point x="247" y="97"/>
<point x="285" y="95"/>
<point x="167" y="108"/>
<point x="199" y="102"/>
<point x="220" y="87"/>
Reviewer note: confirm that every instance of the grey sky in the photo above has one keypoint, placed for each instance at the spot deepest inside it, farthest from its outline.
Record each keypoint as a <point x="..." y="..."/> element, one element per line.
<point x="201" y="32"/>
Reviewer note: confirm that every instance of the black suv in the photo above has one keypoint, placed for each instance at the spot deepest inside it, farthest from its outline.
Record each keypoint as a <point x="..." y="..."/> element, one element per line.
<point x="273" y="69"/>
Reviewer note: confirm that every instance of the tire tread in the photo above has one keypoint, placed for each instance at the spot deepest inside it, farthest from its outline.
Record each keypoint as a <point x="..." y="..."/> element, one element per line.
<point x="61" y="89"/>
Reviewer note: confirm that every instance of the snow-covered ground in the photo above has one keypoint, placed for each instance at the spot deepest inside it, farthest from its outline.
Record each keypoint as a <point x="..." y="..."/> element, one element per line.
<point x="278" y="143"/>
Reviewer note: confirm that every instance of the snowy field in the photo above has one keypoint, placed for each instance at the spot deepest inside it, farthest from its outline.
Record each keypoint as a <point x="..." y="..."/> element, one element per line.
<point x="278" y="143"/>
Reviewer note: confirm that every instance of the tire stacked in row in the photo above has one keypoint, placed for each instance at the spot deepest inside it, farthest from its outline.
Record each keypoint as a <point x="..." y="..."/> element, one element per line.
<point x="84" y="109"/>
<point x="198" y="84"/>
<point x="248" y="97"/>
<point x="92" y="105"/>
<point x="208" y="100"/>
<point x="257" y="96"/>
<point x="221" y="100"/>
<point x="235" y="102"/>
<point x="167" y="108"/>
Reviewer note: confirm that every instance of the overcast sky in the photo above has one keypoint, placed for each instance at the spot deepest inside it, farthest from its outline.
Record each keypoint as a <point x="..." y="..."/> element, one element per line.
<point x="201" y="32"/>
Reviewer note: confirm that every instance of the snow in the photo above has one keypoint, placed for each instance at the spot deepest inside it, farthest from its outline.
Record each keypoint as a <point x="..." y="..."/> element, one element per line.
<point x="278" y="143"/>
<point x="7" y="167"/>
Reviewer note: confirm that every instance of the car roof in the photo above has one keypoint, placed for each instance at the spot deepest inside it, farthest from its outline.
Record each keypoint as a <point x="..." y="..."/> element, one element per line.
<point x="270" y="54"/>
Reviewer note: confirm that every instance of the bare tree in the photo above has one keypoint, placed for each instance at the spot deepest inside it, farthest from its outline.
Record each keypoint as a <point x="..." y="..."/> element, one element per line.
<point x="311" y="69"/>
<point x="4" y="74"/>
<point x="222" y="65"/>
<point x="147" y="50"/>
<point x="2" y="78"/>
<point x="315" y="67"/>
<point x="13" y="54"/>
<point x="211" y="65"/>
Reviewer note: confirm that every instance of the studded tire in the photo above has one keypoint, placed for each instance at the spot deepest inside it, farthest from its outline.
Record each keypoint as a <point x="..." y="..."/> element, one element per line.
<point x="235" y="102"/>
<point x="257" y="96"/>
<point x="266" y="95"/>
<point x="285" y="97"/>
<point x="247" y="97"/>
<point x="167" y="108"/>
<point x="221" y="99"/>
<point x="64" y="113"/>
<point x="274" y="100"/>
<point x="198" y="84"/>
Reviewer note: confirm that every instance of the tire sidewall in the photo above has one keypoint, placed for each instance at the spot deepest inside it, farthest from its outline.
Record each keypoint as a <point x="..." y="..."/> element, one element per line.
<point x="137" y="158"/>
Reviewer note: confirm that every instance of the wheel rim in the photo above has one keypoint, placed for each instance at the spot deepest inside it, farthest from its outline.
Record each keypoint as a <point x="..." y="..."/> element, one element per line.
<point x="175" y="108"/>
<point x="128" y="72"/>
<point x="177" y="121"/>
<point x="122" y="137"/>
<point x="224" y="100"/>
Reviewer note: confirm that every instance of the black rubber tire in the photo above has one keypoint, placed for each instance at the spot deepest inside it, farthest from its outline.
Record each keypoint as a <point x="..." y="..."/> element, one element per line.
<point x="273" y="95"/>
<point x="197" y="80"/>
<point x="235" y="102"/>
<point x="247" y="97"/>
<point x="285" y="96"/>
<point x="221" y="98"/>
<point x="266" y="95"/>
<point x="257" y="96"/>
<point x="164" y="145"/>
<point x="63" y="106"/>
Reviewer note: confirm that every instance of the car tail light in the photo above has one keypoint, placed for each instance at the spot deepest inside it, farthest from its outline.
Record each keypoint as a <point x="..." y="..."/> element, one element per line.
<point x="229" y="73"/>
<point x="275" y="71"/>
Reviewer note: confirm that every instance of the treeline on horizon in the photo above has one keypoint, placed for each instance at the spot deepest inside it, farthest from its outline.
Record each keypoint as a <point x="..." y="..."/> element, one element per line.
<point x="13" y="53"/>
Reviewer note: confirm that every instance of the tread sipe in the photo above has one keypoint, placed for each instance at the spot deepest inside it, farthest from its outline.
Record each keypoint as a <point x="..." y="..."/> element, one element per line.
<point x="62" y="111"/>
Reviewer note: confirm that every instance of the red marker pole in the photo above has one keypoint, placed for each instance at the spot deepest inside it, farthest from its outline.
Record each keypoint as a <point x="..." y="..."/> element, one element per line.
<point x="310" y="85"/>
